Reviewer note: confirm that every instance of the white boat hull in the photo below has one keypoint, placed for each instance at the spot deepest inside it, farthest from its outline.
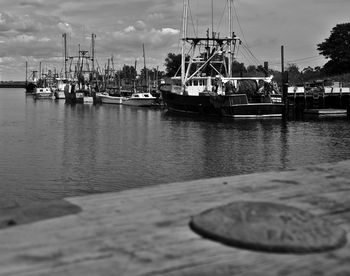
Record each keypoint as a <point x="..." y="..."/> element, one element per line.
<point x="43" y="93"/>
<point x="139" y="102"/>
<point x="107" y="99"/>
<point x="140" y="99"/>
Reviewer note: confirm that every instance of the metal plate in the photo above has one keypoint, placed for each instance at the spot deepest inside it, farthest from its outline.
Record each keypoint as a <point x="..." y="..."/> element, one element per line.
<point x="269" y="227"/>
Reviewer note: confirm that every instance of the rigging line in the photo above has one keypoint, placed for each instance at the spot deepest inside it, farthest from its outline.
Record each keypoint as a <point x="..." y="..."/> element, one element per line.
<point x="306" y="58"/>
<point x="302" y="60"/>
<point x="249" y="52"/>
<point x="194" y="27"/>
<point x="257" y="61"/>
<point x="248" y="58"/>
<point x="221" y="18"/>
<point x="241" y="29"/>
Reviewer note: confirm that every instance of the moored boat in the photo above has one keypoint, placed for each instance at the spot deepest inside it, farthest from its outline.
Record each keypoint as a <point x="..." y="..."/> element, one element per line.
<point x="207" y="86"/>
<point x="140" y="99"/>
<point x="59" y="88"/>
<point x="43" y="89"/>
<point x="30" y="87"/>
<point x="106" y="98"/>
<point x="43" y="93"/>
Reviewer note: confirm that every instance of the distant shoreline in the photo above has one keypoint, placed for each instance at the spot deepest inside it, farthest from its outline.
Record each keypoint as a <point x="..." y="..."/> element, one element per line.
<point x="12" y="84"/>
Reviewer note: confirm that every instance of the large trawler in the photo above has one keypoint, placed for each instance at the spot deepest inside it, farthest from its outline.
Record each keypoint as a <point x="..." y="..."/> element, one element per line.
<point x="207" y="87"/>
<point x="81" y="88"/>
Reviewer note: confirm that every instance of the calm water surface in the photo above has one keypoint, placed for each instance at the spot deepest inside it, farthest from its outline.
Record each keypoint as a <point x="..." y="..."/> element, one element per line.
<point x="50" y="150"/>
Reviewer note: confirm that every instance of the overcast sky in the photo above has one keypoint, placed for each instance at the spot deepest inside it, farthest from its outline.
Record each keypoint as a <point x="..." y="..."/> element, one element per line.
<point x="31" y="30"/>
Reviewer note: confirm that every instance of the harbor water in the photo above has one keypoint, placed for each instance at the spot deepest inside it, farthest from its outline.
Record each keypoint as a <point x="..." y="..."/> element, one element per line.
<point x="51" y="150"/>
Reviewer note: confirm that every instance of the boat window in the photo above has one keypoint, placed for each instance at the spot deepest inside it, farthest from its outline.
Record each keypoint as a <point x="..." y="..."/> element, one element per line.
<point x="136" y="96"/>
<point x="195" y="82"/>
<point x="146" y="96"/>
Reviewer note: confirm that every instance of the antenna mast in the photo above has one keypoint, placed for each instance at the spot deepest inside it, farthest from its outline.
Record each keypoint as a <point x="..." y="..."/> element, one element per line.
<point x="231" y="35"/>
<point x="65" y="53"/>
<point x="93" y="51"/>
<point x="212" y="18"/>
<point x="184" y="34"/>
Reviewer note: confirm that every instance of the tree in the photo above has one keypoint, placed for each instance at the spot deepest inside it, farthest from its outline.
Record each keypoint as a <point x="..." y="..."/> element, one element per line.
<point x="172" y="64"/>
<point x="337" y="49"/>
<point x="294" y="76"/>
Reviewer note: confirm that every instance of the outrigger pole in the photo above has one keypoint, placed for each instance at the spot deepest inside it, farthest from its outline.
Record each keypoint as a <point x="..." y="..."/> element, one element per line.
<point x="93" y="52"/>
<point x="231" y="34"/>
<point x="65" y="54"/>
<point x="184" y="34"/>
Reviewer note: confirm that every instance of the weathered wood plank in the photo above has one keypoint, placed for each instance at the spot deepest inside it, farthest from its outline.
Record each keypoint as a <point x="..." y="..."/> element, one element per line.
<point x="146" y="232"/>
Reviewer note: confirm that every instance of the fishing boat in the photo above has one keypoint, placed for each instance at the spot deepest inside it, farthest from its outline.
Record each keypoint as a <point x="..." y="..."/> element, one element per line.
<point x="59" y="88"/>
<point x="31" y="81"/>
<point x="81" y="88"/>
<point x="30" y="87"/>
<point x="142" y="99"/>
<point x="43" y="92"/>
<point x="43" y="89"/>
<point x="207" y="86"/>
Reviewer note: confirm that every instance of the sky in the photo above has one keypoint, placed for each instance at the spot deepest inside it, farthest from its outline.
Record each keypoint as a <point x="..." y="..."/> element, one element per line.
<point x="31" y="30"/>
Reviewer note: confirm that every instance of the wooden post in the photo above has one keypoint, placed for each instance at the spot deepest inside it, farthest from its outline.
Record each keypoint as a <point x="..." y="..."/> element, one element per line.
<point x="284" y="86"/>
<point x="348" y="109"/>
<point x="266" y="68"/>
<point x="26" y="72"/>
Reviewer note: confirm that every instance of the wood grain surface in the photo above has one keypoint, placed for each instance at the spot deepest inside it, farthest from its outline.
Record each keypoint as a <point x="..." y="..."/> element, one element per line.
<point x="146" y="231"/>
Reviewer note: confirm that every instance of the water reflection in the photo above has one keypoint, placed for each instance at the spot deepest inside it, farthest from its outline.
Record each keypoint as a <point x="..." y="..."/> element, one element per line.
<point x="50" y="149"/>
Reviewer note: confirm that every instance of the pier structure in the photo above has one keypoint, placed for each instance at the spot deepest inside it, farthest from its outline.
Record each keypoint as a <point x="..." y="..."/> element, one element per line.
<point x="331" y="101"/>
<point x="150" y="231"/>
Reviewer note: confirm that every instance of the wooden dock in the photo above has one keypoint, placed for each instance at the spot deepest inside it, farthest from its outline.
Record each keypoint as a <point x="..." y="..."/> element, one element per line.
<point x="326" y="112"/>
<point x="146" y="231"/>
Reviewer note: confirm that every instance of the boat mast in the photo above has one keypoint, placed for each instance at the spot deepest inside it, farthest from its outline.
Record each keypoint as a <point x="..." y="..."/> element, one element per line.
<point x="231" y="35"/>
<point x="184" y="34"/>
<point x="93" y="51"/>
<point x="135" y="76"/>
<point x="65" y="54"/>
<point x="212" y="18"/>
<point x="40" y="70"/>
<point x="144" y="66"/>
<point x="26" y="72"/>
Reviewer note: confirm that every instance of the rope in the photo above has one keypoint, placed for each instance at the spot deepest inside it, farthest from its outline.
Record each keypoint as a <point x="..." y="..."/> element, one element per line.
<point x="194" y="28"/>
<point x="241" y="30"/>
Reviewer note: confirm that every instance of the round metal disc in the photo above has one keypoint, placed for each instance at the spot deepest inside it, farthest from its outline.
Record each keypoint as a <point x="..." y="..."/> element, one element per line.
<point x="268" y="227"/>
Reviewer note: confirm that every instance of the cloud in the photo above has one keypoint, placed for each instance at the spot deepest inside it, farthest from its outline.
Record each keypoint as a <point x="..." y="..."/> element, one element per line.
<point x="128" y="29"/>
<point x="32" y="3"/>
<point x="5" y="22"/>
<point x="24" y="38"/>
<point x="170" y="31"/>
<point x="65" y="28"/>
<point x="140" y="25"/>
<point x="155" y="16"/>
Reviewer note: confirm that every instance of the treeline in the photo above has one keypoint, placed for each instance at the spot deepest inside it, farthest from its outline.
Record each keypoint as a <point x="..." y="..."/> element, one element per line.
<point x="12" y="84"/>
<point x="295" y="75"/>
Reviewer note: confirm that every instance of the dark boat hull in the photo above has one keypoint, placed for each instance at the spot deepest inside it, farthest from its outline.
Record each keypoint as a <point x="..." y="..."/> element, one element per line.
<point x="255" y="110"/>
<point x="30" y="87"/>
<point x="196" y="105"/>
<point x="226" y="106"/>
